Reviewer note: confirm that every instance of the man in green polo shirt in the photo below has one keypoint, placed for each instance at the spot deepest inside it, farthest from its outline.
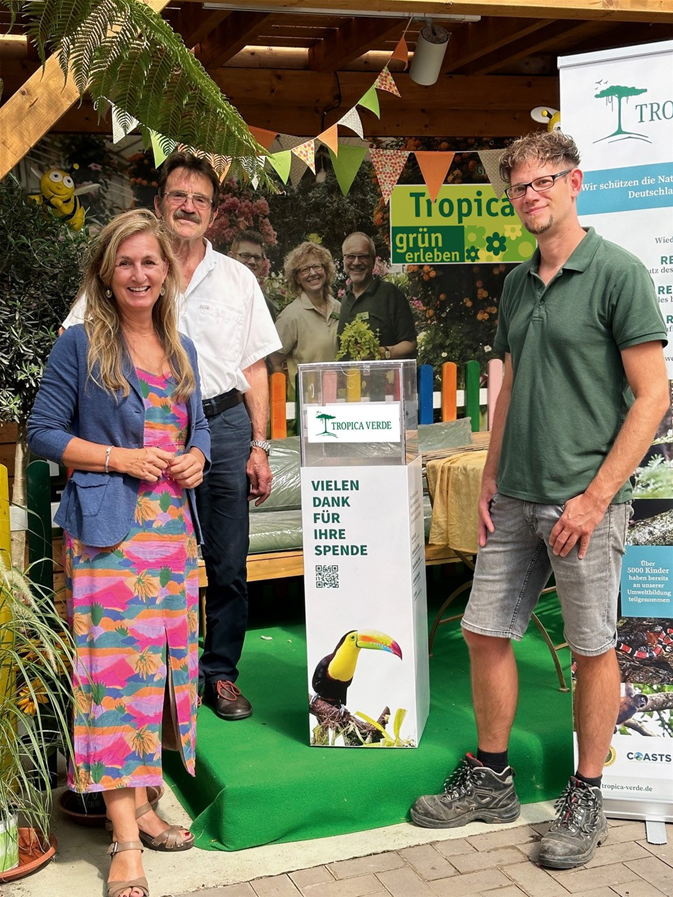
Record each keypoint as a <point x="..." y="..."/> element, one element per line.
<point x="382" y="305"/>
<point x="584" y="390"/>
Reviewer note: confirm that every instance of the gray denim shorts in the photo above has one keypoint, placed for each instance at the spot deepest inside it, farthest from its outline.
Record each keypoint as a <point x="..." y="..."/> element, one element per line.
<point x="515" y="565"/>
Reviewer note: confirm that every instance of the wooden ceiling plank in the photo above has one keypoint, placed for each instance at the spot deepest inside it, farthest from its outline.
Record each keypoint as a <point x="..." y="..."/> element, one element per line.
<point x="230" y="36"/>
<point x="544" y="41"/>
<point x="617" y="10"/>
<point x="195" y="23"/>
<point x="354" y="38"/>
<point x="34" y="108"/>
<point x="476" y="39"/>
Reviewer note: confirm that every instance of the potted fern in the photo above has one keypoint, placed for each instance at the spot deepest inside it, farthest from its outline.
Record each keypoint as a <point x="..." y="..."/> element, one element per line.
<point x="36" y="656"/>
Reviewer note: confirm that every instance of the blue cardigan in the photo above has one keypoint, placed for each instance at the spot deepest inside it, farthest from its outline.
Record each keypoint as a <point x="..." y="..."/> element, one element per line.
<point x="98" y="508"/>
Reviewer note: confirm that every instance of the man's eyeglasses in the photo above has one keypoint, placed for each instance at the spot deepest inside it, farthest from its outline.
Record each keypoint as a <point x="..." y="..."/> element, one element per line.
<point x="250" y="257"/>
<point x="366" y="257"/>
<point x="308" y="268"/>
<point x="540" y="185"/>
<point x="179" y="198"/>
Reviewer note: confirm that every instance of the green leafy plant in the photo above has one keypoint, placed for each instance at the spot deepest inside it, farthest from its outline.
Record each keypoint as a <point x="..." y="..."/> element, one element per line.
<point x="36" y="696"/>
<point x="123" y="52"/>
<point x="655" y="480"/>
<point x="358" y="342"/>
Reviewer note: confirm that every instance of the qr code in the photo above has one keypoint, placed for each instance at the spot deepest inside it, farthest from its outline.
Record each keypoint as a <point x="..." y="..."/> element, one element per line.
<point x="327" y="577"/>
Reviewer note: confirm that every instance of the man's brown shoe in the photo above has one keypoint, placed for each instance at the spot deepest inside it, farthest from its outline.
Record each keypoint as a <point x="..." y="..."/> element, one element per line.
<point x="227" y="701"/>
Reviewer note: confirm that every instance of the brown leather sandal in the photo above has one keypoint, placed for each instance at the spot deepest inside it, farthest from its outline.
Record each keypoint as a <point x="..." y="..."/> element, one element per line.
<point x="154" y="795"/>
<point x="116" y="888"/>
<point x="171" y="839"/>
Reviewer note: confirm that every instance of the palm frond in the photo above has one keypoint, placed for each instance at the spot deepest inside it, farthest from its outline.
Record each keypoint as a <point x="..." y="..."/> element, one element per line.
<point x="122" y="52"/>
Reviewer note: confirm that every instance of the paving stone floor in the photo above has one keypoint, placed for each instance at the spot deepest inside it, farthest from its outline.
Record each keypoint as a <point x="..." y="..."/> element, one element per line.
<point x="497" y="864"/>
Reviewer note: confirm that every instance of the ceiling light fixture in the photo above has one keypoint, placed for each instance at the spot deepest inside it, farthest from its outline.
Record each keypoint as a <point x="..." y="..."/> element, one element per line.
<point x="429" y="54"/>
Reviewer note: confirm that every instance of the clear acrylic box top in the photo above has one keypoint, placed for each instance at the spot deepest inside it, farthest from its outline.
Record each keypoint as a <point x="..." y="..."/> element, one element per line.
<point x="358" y="413"/>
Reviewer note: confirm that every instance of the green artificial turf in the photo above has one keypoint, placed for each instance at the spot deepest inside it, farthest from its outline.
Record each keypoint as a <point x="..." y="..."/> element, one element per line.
<point x="258" y="781"/>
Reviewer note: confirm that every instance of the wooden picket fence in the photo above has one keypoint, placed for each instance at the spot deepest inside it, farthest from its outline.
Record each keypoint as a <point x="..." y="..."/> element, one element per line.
<point x="448" y="400"/>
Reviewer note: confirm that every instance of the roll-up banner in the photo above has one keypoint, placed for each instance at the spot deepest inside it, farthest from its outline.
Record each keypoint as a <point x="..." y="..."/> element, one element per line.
<point x="618" y="105"/>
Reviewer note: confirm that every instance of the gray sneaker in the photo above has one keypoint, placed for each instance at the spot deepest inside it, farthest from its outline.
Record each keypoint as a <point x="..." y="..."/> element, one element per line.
<point x="580" y="826"/>
<point x="473" y="792"/>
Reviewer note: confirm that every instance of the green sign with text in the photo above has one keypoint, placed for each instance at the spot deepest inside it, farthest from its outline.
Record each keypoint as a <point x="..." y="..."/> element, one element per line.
<point x="466" y="223"/>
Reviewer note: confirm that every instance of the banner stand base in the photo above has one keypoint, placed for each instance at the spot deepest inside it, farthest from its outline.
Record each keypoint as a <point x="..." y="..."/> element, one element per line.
<point x="656" y="832"/>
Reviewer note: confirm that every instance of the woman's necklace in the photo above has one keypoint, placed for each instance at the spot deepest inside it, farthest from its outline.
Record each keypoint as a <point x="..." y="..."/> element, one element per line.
<point x="146" y="351"/>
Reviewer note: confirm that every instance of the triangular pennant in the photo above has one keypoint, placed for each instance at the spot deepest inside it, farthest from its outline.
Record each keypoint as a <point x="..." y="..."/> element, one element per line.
<point x="490" y="159"/>
<point x="122" y="124"/>
<point x="401" y="52"/>
<point x="306" y="152"/>
<point x="388" y="165"/>
<point x="161" y="147"/>
<point x="385" y="82"/>
<point x="281" y="162"/>
<point x="262" y="136"/>
<point x="225" y="169"/>
<point x="330" y="138"/>
<point x="352" y="120"/>
<point x="347" y="164"/>
<point x="371" y="101"/>
<point x="434" y="167"/>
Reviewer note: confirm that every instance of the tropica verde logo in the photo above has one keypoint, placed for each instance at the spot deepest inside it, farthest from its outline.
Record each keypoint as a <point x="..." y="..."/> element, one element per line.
<point x="626" y="114"/>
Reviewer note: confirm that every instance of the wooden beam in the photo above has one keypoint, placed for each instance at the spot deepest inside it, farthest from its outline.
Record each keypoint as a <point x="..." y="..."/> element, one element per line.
<point x="476" y="39"/>
<point x="32" y="110"/>
<point x="352" y="40"/>
<point x="544" y="40"/>
<point x="229" y="37"/>
<point x="194" y="23"/>
<point x="320" y="90"/>
<point x="617" y="10"/>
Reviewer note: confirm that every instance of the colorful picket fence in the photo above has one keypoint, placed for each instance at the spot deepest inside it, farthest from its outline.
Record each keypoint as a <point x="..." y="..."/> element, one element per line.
<point x="449" y="400"/>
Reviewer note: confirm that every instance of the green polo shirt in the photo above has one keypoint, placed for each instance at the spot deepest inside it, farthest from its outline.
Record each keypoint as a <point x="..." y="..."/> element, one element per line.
<point x="570" y="394"/>
<point x="384" y="307"/>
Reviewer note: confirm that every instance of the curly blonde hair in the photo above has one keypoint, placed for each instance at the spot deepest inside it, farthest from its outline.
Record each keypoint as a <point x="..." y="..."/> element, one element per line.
<point x="300" y="256"/>
<point x="542" y="146"/>
<point x="102" y="320"/>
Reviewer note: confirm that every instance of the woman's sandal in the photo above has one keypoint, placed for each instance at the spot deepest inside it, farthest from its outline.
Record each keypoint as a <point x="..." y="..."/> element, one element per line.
<point x="172" y="839"/>
<point x="115" y="888"/>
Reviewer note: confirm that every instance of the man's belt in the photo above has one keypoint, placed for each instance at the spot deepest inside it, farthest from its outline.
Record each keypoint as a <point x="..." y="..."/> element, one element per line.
<point x="218" y="404"/>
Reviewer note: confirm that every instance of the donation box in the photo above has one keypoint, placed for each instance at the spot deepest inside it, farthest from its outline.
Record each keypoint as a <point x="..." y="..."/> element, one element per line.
<point x="364" y="554"/>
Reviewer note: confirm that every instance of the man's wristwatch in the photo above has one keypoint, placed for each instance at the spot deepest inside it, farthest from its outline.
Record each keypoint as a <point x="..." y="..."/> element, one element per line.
<point x="261" y="443"/>
<point x="386" y="352"/>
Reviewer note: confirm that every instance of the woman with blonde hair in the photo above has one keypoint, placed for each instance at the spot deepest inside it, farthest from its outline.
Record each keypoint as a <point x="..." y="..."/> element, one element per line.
<point x="307" y="327"/>
<point x="120" y="404"/>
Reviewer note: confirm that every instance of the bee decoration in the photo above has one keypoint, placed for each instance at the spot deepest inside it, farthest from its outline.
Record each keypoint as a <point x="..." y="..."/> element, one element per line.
<point x="547" y="115"/>
<point x="58" y="193"/>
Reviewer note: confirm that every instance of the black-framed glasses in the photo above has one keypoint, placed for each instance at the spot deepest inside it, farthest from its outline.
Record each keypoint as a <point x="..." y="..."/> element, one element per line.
<point x="540" y="185"/>
<point x="308" y="268"/>
<point x="180" y="197"/>
<point x="250" y="257"/>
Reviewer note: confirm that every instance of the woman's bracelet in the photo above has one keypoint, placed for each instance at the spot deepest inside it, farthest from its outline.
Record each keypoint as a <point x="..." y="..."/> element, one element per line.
<point x="107" y="458"/>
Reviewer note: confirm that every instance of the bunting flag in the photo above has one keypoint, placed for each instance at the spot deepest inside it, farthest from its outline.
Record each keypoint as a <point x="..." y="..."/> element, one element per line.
<point x="161" y="147"/>
<point x="263" y="137"/>
<point x="122" y="124"/>
<point x="370" y="101"/>
<point x="385" y="82"/>
<point x="347" y="164"/>
<point x="401" y="52"/>
<point x="306" y="152"/>
<point x="225" y="169"/>
<point x="282" y="162"/>
<point x="330" y="138"/>
<point x="490" y="159"/>
<point x="434" y="167"/>
<point x="352" y="121"/>
<point x="388" y="165"/>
